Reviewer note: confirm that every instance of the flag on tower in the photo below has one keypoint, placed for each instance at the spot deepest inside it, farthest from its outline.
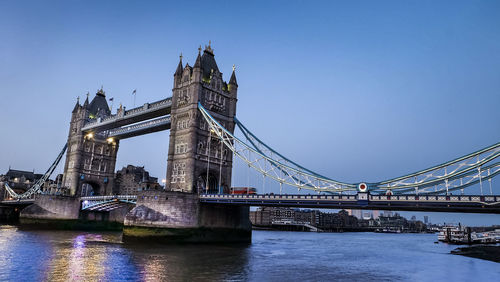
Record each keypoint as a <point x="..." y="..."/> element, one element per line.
<point x="111" y="99"/>
<point x="135" y="90"/>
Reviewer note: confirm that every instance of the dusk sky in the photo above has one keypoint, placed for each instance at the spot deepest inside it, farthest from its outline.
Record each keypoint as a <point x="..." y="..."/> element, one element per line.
<point x="355" y="90"/>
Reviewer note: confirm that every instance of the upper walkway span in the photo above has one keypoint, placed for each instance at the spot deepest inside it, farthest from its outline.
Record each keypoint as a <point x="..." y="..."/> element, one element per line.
<point x="128" y="117"/>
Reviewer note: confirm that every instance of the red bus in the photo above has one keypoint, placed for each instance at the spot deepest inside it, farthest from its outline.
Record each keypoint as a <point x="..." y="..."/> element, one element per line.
<point x="242" y="190"/>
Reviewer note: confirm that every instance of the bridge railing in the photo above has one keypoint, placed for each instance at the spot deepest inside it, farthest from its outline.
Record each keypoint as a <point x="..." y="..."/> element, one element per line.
<point x="281" y="197"/>
<point x="375" y="198"/>
<point x="436" y="198"/>
<point x="108" y="198"/>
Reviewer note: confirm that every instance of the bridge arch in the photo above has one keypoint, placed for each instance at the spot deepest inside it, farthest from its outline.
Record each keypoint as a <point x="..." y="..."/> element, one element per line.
<point x="90" y="188"/>
<point x="213" y="184"/>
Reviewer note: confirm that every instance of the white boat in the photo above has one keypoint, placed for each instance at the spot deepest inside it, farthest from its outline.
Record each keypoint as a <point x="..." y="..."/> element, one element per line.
<point x="453" y="234"/>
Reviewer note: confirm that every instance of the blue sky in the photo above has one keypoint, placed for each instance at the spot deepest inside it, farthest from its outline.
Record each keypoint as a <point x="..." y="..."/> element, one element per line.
<point x="355" y="90"/>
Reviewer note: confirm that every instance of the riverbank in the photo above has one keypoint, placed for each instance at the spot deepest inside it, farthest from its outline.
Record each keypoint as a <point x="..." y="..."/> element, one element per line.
<point x="491" y="253"/>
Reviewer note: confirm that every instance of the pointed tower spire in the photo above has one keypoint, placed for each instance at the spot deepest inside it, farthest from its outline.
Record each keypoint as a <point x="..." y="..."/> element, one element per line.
<point x="86" y="103"/>
<point x="197" y="64"/>
<point x="77" y="105"/>
<point x="232" y="80"/>
<point x="179" y="67"/>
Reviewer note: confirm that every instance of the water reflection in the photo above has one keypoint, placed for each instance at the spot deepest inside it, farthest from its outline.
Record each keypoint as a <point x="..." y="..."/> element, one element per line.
<point x="198" y="262"/>
<point x="79" y="259"/>
<point x="273" y="256"/>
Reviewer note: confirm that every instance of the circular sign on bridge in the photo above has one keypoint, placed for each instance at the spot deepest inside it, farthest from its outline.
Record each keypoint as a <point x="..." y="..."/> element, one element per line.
<point x="362" y="187"/>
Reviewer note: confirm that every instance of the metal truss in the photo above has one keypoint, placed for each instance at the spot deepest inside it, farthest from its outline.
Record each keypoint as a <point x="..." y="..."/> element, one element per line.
<point x="36" y="188"/>
<point x="107" y="203"/>
<point x="274" y="165"/>
<point x="458" y="174"/>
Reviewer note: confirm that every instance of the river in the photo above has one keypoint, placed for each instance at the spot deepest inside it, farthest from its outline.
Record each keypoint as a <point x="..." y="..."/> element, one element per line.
<point x="272" y="256"/>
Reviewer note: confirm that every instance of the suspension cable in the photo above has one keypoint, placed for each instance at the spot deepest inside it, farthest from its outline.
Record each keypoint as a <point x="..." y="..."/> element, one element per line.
<point x="36" y="188"/>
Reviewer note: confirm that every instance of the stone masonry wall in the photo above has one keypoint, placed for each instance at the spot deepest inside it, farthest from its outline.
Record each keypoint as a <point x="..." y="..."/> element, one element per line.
<point x="52" y="207"/>
<point x="165" y="209"/>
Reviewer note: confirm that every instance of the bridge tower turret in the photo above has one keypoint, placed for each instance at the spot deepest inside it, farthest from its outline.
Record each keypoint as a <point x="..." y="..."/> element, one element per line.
<point x="90" y="158"/>
<point x="196" y="162"/>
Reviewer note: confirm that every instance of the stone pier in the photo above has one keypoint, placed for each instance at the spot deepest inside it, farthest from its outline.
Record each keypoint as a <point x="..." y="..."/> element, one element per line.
<point x="54" y="212"/>
<point x="64" y="212"/>
<point x="179" y="217"/>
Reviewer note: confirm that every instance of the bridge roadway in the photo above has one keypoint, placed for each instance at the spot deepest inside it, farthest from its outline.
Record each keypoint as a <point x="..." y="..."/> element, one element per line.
<point x="429" y="203"/>
<point x="18" y="202"/>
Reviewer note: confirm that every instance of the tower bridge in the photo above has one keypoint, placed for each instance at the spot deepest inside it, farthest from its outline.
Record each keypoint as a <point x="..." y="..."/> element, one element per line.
<point x="196" y="204"/>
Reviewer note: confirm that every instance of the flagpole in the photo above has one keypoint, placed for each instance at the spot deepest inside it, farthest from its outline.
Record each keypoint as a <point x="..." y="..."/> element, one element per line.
<point x="112" y="99"/>
<point x="134" y="93"/>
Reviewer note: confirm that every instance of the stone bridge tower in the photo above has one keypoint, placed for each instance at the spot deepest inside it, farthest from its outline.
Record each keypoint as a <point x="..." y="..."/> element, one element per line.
<point x="90" y="158"/>
<point x="194" y="164"/>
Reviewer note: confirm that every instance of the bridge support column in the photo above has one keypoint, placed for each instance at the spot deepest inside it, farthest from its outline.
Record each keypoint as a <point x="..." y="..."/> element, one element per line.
<point x="170" y="217"/>
<point x="52" y="212"/>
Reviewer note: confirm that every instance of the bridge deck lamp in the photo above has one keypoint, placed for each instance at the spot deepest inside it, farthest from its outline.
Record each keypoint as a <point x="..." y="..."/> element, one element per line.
<point x="89" y="135"/>
<point x="110" y="140"/>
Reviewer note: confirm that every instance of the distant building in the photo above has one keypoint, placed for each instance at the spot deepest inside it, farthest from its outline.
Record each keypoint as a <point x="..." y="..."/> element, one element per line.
<point x="132" y="179"/>
<point x="426" y="219"/>
<point x="356" y="213"/>
<point x="367" y="215"/>
<point x="19" y="180"/>
<point x="267" y="216"/>
<point x="392" y="220"/>
<point x="261" y="217"/>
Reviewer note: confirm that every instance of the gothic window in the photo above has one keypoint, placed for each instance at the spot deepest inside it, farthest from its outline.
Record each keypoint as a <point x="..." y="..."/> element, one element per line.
<point x="179" y="172"/>
<point x="86" y="164"/>
<point x="180" y="148"/>
<point x="95" y="164"/>
<point x="87" y="147"/>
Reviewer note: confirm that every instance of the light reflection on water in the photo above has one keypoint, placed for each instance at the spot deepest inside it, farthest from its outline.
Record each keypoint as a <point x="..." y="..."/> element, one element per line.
<point x="272" y="256"/>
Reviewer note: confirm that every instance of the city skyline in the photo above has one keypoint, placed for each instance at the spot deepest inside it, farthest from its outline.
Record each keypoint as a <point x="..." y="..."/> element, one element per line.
<point x="341" y="90"/>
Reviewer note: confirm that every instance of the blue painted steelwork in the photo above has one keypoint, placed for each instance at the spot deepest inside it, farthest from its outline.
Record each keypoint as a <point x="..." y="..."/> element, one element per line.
<point x="36" y="188"/>
<point x="469" y="203"/>
<point x="458" y="174"/>
<point x="106" y="203"/>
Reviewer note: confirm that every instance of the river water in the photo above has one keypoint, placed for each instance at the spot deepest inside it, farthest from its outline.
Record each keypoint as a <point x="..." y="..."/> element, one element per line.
<point x="272" y="256"/>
